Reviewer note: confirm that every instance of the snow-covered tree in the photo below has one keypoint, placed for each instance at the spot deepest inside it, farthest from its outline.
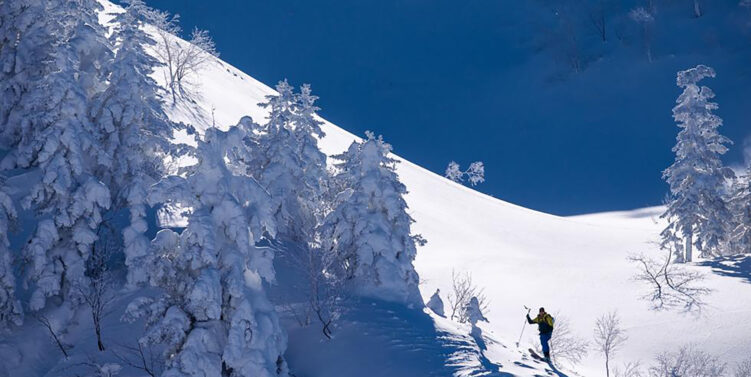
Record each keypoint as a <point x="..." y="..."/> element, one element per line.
<point x="32" y="35"/>
<point x="740" y="204"/>
<point x="54" y="137"/>
<point x="436" y="303"/>
<point x="10" y="306"/>
<point x="27" y="44"/>
<point x="696" y="211"/>
<point x="214" y="318"/>
<point x="369" y="231"/>
<point x="645" y="18"/>
<point x="475" y="174"/>
<point x="181" y="60"/>
<point x="454" y="172"/>
<point x="136" y="132"/>
<point x="609" y="337"/>
<point x="288" y="162"/>
<point x="697" y="8"/>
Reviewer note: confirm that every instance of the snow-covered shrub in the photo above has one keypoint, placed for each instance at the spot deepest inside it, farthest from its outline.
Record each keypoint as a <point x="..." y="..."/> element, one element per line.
<point x="214" y="315"/>
<point x="436" y="303"/>
<point x="474" y="312"/>
<point x="369" y="232"/>
<point x="696" y="210"/>
<point x="688" y="361"/>
<point x="454" y="172"/>
<point x="475" y="174"/>
<point x="743" y="369"/>
<point x="463" y="289"/>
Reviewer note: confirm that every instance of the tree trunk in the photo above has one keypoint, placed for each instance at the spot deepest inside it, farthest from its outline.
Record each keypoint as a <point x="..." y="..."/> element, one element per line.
<point x="607" y="366"/>
<point x="689" y="244"/>
<point x="98" y="331"/>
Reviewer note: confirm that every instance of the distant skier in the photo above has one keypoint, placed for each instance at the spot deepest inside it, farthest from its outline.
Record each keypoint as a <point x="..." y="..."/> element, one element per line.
<point x="544" y="323"/>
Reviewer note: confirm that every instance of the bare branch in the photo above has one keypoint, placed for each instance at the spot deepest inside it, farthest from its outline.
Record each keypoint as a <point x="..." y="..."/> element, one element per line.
<point x="323" y="290"/>
<point x="98" y="293"/>
<point x="53" y="333"/>
<point x="687" y="361"/>
<point x="182" y="60"/>
<point x="671" y="285"/>
<point x="140" y="357"/>
<point x="609" y="337"/>
<point x="564" y="345"/>
<point x="629" y="370"/>
<point x="463" y="289"/>
<point x="598" y="18"/>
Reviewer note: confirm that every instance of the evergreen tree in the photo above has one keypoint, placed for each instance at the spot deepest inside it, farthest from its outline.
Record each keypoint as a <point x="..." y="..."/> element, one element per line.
<point x="740" y="204"/>
<point x="136" y="132"/>
<point x="56" y="138"/>
<point x="214" y="317"/>
<point x="288" y="162"/>
<point x="27" y="44"/>
<point x="10" y="307"/>
<point x="368" y="232"/>
<point x="696" y="211"/>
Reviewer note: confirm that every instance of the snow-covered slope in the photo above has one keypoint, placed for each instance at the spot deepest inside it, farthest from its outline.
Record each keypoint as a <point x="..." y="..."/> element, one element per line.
<point x="576" y="267"/>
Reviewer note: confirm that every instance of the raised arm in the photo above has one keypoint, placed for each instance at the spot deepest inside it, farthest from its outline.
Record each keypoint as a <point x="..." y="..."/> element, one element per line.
<point x="530" y="320"/>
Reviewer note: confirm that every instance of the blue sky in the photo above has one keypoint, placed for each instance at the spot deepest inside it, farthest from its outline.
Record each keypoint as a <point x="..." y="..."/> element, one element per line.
<point x="472" y="80"/>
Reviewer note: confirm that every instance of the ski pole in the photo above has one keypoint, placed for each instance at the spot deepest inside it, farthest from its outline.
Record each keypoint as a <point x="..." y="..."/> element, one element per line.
<point x="524" y="326"/>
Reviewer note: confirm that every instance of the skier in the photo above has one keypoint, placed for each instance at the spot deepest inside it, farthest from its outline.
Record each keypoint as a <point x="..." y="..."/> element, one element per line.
<point x="544" y="323"/>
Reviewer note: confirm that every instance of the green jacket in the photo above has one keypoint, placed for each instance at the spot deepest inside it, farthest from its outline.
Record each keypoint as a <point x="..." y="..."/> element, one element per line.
<point x="544" y="323"/>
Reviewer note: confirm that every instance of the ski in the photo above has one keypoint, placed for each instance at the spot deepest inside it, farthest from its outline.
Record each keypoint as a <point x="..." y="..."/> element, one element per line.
<point x="538" y="357"/>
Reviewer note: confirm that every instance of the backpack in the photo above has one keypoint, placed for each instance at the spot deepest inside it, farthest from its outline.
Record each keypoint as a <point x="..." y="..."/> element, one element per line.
<point x="545" y="327"/>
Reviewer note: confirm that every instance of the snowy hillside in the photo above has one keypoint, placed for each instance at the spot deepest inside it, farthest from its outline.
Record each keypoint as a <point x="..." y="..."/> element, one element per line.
<point x="576" y="267"/>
